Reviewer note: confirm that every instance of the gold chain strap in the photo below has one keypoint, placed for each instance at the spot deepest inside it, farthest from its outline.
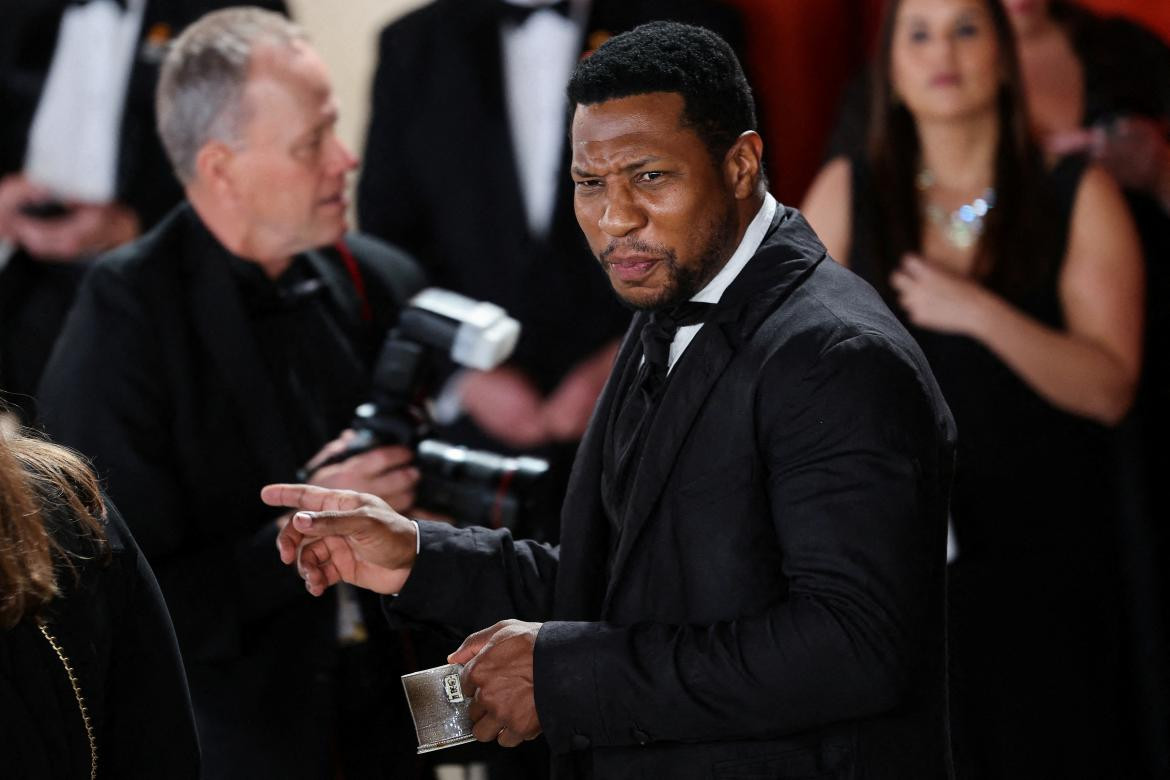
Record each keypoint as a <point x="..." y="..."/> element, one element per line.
<point x="77" y="693"/>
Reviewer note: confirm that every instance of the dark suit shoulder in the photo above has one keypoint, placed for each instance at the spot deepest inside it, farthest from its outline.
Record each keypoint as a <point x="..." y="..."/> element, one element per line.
<point x="838" y="304"/>
<point x="838" y="341"/>
<point x="834" y="311"/>
<point x="797" y="295"/>
<point x="151" y="256"/>
<point x="414" y="30"/>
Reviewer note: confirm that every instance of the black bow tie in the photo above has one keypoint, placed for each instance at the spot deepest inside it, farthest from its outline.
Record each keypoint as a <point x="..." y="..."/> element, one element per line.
<point x="518" y="14"/>
<point x="660" y="329"/>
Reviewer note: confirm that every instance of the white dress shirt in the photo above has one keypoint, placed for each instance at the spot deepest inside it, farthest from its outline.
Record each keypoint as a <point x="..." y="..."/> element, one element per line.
<point x="538" y="57"/>
<point x="74" y="139"/>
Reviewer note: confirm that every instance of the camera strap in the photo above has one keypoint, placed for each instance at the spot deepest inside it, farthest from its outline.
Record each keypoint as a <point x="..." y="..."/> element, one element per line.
<point x="355" y="275"/>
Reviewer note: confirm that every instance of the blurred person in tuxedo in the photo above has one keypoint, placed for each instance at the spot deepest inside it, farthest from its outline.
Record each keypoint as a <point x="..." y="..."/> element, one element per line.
<point x="229" y="345"/>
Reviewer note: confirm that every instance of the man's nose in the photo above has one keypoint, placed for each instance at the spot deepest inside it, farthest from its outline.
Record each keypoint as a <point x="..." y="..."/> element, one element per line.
<point x="622" y="215"/>
<point x="341" y="159"/>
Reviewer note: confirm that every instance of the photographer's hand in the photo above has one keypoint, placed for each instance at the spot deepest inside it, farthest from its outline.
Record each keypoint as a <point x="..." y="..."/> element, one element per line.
<point x="383" y="471"/>
<point x="505" y="404"/>
<point x="343" y="536"/>
<point x="85" y="230"/>
<point x="567" y="411"/>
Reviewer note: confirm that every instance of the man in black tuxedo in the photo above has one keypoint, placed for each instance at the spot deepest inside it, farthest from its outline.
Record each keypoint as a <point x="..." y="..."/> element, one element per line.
<point x="472" y="91"/>
<point x="225" y="349"/>
<point x="750" y="578"/>
<point x="39" y="281"/>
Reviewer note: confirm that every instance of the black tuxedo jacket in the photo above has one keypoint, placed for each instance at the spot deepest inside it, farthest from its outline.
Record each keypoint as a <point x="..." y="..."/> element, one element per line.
<point x="159" y="378"/>
<point x="775" y="604"/>
<point x="440" y="180"/>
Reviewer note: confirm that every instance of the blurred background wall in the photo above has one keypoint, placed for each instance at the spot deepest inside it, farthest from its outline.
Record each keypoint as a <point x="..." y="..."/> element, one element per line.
<point x="1154" y="14"/>
<point x="346" y="35"/>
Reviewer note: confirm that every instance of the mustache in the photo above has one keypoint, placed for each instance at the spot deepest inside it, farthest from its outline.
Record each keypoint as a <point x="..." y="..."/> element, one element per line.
<point x="636" y="246"/>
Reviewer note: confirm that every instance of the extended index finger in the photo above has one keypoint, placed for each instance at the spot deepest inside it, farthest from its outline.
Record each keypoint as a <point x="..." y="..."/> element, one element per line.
<point x="311" y="498"/>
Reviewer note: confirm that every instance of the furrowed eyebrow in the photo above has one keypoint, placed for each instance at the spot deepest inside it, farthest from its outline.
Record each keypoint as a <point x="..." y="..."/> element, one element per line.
<point x="581" y="172"/>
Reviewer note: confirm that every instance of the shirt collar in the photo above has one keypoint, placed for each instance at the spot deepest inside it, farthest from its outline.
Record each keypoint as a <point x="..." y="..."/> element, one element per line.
<point x="752" y="238"/>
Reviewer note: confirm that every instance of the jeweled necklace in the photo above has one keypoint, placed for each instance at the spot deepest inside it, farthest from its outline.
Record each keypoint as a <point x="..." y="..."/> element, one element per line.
<point x="963" y="226"/>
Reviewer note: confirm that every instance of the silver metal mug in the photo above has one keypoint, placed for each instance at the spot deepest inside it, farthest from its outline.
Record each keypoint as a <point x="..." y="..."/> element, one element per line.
<point x="438" y="707"/>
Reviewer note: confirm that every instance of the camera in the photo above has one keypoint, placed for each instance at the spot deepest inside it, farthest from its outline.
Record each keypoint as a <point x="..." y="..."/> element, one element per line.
<point x="437" y="328"/>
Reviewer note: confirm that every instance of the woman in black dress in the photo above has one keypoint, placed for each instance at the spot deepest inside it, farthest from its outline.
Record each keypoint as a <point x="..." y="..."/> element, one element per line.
<point x="1023" y="284"/>
<point x="91" y="684"/>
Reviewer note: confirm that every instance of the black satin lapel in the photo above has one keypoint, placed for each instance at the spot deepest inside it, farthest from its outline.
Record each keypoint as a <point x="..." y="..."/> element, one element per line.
<point x="223" y="327"/>
<point x="789" y="253"/>
<point x="698" y="370"/>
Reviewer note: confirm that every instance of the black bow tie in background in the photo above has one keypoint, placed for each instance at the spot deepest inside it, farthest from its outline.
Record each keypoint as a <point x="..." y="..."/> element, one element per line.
<point x="518" y="14"/>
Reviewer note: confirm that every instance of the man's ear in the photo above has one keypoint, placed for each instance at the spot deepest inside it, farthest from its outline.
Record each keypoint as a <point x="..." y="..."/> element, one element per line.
<point x="743" y="164"/>
<point x="213" y="168"/>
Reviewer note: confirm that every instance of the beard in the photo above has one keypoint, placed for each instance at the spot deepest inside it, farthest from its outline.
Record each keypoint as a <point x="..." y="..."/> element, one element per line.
<point x="683" y="280"/>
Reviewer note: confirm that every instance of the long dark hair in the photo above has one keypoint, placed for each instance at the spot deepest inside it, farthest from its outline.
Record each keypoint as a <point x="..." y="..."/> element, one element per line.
<point x="894" y="155"/>
<point x="38" y="480"/>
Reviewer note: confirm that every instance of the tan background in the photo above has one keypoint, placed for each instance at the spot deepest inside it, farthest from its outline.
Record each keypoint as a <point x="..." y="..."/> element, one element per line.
<point x="345" y="33"/>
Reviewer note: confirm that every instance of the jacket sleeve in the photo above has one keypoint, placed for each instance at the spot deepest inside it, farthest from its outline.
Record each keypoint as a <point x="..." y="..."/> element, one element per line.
<point x="854" y="452"/>
<point x="466" y="579"/>
<point x="106" y="392"/>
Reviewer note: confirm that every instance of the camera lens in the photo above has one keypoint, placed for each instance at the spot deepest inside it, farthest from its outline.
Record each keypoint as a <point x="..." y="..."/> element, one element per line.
<point x="476" y="487"/>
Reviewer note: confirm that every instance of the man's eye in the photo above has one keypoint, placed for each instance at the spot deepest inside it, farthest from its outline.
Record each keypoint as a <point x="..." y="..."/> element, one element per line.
<point x="309" y="148"/>
<point x="651" y="175"/>
<point x="918" y="36"/>
<point x="587" y="184"/>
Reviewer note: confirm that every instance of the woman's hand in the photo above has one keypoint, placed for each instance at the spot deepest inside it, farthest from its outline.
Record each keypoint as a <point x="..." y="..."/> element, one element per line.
<point x="937" y="299"/>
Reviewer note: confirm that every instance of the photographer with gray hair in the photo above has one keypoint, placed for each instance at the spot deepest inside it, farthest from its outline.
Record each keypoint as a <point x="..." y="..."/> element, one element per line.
<point x="225" y="349"/>
<point x="81" y="171"/>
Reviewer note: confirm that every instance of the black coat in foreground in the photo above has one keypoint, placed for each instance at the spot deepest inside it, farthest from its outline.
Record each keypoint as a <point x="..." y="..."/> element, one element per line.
<point x="774" y="606"/>
<point x="112" y="626"/>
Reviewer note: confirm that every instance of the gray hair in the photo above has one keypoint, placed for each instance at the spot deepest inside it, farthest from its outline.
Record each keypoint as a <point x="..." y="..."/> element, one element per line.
<point x="201" y="87"/>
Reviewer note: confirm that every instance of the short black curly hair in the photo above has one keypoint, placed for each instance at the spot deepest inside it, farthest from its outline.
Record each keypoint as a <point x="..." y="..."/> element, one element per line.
<point x="673" y="57"/>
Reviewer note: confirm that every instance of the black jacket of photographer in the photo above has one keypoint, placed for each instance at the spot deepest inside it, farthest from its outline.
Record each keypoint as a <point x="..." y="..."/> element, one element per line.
<point x="35" y="296"/>
<point x="774" y="603"/>
<point x="192" y="380"/>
